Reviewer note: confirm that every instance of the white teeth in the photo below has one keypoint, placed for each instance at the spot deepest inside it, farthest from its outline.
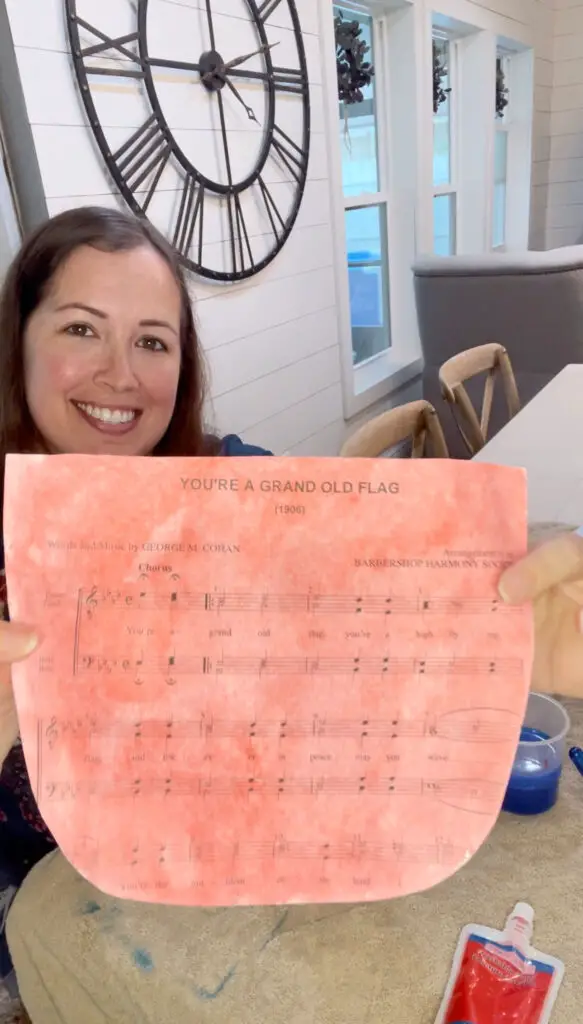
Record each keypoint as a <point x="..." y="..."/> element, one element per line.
<point x="108" y="415"/>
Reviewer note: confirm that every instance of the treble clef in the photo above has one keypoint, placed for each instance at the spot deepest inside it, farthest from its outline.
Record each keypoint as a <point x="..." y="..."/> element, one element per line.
<point x="91" y="602"/>
<point x="52" y="732"/>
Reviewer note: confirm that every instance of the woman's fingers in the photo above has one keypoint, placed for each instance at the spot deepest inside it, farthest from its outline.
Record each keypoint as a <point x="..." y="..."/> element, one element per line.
<point x="558" y="561"/>
<point x="17" y="641"/>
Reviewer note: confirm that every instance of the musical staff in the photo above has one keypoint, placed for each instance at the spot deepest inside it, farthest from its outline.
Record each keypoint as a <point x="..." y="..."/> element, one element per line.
<point x="479" y="725"/>
<point x="353" y="851"/>
<point x="186" y="664"/>
<point x="181" y="785"/>
<point x="167" y="665"/>
<point x="387" y="665"/>
<point x="141" y="600"/>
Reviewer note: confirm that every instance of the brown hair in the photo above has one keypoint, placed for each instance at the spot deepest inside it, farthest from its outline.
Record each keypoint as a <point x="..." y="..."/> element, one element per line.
<point x="24" y="288"/>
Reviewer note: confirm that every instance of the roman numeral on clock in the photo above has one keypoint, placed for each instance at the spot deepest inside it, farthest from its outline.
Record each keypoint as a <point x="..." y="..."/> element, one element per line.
<point x="146" y="152"/>
<point x="105" y="48"/>
<point x="266" y="9"/>
<point x="190" y="214"/>
<point x="243" y="244"/>
<point x="291" y="155"/>
<point x="283" y="79"/>
<point x="273" y="213"/>
<point x="289" y="80"/>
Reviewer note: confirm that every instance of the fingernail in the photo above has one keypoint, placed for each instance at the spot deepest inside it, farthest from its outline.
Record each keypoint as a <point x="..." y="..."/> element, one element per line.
<point x="508" y="590"/>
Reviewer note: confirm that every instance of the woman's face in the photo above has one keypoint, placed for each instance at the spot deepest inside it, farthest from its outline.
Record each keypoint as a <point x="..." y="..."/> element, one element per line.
<point x="102" y="353"/>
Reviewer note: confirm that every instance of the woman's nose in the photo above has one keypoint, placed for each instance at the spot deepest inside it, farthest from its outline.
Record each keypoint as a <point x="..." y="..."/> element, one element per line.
<point x="117" y="367"/>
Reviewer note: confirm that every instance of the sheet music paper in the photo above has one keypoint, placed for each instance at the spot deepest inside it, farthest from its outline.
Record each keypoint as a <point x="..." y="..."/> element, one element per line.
<point x="267" y="680"/>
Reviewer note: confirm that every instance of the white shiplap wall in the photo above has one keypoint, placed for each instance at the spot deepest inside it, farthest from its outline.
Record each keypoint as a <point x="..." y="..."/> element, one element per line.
<point x="565" y="195"/>
<point x="272" y="343"/>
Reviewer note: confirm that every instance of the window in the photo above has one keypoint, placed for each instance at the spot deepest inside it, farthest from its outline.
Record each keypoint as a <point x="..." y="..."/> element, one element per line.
<point x="444" y="191"/>
<point x="9" y="226"/>
<point x="500" y="188"/>
<point x="501" y="130"/>
<point x="365" y="209"/>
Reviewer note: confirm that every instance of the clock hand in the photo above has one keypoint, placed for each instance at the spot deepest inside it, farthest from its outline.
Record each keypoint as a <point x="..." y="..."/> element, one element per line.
<point x="250" y="112"/>
<point x="241" y="60"/>
<point x="223" y="71"/>
<point x="229" y="194"/>
<point x="176" y="65"/>
<point x="209" y="15"/>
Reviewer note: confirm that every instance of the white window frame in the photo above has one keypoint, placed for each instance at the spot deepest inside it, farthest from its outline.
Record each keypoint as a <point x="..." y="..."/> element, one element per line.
<point x="380" y="198"/>
<point x="518" y="125"/>
<point x="502" y="125"/>
<point x="480" y="33"/>
<point x="378" y="376"/>
<point x="403" y="65"/>
<point x="10" y="231"/>
<point x="451" y="188"/>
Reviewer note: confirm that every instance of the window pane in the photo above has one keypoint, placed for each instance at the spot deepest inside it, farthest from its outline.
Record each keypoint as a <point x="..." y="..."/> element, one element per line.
<point x="444" y="225"/>
<point x="367" y="252"/>
<point x="502" y="90"/>
<point x="500" y="179"/>
<point x="358" y="129"/>
<point x="442" y="122"/>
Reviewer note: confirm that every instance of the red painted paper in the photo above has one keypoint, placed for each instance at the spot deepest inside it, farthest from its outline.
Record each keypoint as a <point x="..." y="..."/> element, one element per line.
<point x="267" y="680"/>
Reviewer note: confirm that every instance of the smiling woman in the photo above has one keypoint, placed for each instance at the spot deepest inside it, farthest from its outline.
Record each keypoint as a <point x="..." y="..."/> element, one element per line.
<point x="99" y="348"/>
<point x="99" y="356"/>
<point x="101" y="376"/>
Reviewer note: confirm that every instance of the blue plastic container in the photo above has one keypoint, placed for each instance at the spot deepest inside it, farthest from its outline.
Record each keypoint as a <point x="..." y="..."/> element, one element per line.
<point x="534" y="783"/>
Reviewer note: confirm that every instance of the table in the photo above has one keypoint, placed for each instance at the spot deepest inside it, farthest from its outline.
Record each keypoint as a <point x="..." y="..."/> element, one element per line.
<point x="82" y="956"/>
<point x="546" y="437"/>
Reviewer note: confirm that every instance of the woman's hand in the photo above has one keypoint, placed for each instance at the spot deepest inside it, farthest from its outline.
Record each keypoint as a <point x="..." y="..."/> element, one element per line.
<point x="16" y="643"/>
<point x="551" y="576"/>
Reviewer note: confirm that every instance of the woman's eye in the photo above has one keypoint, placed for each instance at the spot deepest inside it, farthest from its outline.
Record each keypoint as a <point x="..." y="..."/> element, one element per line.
<point x="153" y="344"/>
<point x="79" y="330"/>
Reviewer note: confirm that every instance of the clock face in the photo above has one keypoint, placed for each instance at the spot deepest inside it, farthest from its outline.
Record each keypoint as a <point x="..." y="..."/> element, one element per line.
<point x="202" y="115"/>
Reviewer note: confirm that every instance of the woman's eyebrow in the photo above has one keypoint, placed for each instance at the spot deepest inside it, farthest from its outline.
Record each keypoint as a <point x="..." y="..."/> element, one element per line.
<point x="158" y="323"/>
<point x="81" y="305"/>
<point x="100" y="313"/>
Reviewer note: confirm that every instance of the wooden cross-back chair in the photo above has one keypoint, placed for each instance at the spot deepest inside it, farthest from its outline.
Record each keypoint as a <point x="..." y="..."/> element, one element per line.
<point x="416" y="422"/>
<point x="493" y="360"/>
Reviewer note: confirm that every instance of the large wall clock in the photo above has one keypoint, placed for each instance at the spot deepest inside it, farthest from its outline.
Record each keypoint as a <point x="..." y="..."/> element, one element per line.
<point x="201" y="112"/>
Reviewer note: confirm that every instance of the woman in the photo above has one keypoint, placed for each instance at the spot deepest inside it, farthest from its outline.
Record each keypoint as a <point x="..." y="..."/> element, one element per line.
<point x="99" y="355"/>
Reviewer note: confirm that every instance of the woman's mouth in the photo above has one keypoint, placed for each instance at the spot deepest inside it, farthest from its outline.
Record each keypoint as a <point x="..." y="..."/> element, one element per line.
<point x="108" y="419"/>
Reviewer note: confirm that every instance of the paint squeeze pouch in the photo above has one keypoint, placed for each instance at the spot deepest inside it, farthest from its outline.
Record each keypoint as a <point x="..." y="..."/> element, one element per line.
<point x="497" y="977"/>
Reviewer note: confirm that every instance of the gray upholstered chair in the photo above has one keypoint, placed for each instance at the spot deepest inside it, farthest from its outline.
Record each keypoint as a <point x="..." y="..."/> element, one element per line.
<point x="531" y="303"/>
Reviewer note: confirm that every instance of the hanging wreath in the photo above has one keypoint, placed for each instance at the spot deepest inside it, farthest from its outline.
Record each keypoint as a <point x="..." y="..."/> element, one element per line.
<point x="440" y="70"/>
<point x="353" y="71"/>
<point x="502" y="92"/>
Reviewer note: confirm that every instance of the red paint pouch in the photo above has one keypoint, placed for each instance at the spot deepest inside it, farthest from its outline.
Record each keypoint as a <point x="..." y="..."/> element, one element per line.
<point x="498" y="978"/>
